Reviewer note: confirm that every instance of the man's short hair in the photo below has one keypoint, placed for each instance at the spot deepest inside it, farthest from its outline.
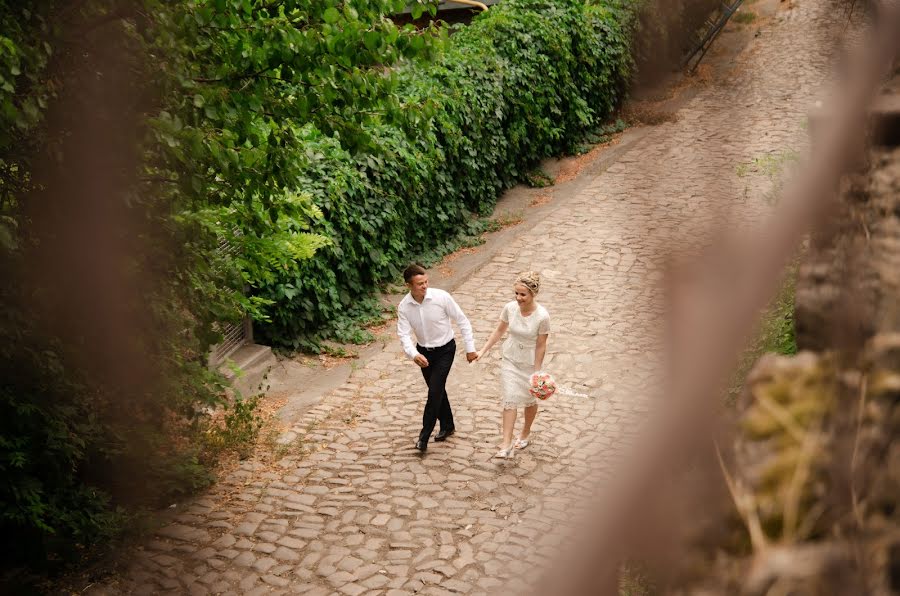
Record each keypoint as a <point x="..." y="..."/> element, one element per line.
<point x="412" y="271"/>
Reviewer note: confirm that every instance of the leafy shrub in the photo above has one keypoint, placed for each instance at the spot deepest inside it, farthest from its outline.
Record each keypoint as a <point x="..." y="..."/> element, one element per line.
<point x="323" y="144"/>
<point x="524" y="81"/>
<point x="538" y="178"/>
<point x="221" y="102"/>
<point x="744" y="17"/>
<point x="239" y="429"/>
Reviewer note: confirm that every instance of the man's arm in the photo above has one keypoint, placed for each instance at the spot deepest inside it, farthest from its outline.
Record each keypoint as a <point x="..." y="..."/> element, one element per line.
<point x="465" y="327"/>
<point x="404" y="332"/>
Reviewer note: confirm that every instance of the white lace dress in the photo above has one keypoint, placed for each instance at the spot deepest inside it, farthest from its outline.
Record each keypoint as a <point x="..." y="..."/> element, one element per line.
<point x="518" y="354"/>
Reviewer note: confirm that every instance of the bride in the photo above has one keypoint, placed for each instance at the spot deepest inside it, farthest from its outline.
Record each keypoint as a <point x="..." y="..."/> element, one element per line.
<point x="523" y="355"/>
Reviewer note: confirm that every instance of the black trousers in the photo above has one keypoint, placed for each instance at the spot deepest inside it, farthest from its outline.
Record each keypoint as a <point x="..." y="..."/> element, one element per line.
<point x="438" y="405"/>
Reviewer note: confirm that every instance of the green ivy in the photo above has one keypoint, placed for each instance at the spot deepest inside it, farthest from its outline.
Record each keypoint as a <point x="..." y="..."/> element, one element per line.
<point x="323" y="145"/>
<point x="235" y="101"/>
<point x="526" y="80"/>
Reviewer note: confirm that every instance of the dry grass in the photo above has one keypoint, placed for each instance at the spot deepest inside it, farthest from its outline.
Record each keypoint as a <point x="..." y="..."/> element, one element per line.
<point x="649" y="114"/>
<point x="445" y="268"/>
<point x="573" y="166"/>
<point x="379" y="329"/>
<point x="324" y="360"/>
<point x="703" y="75"/>
<point x="541" y="199"/>
<point x="744" y="17"/>
<point x="227" y="461"/>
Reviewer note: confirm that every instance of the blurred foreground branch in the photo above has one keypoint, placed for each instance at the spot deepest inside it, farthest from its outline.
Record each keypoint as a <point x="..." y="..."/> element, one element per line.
<point x="712" y="318"/>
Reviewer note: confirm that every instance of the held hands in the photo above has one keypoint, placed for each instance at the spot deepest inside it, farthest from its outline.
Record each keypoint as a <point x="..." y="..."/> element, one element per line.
<point x="422" y="361"/>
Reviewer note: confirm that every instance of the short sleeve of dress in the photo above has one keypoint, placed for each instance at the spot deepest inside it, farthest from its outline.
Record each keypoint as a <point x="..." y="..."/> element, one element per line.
<point x="504" y="314"/>
<point x="544" y="325"/>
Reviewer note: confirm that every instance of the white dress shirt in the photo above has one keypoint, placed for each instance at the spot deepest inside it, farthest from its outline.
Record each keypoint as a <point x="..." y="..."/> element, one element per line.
<point x="430" y="321"/>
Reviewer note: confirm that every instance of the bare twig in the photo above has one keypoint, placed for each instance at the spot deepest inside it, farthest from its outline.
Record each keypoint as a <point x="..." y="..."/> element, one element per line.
<point x="863" y="387"/>
<point x="809" y="520"/>
<point x="745" y="505"/>
<point x="849" y="16"/>
<point x="236" y="76"/>
<point x="798" y="481"/>
<point x="782" y="416"/>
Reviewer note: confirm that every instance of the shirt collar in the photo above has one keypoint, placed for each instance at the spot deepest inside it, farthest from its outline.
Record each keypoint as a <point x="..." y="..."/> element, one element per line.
<point x="428" y="296"/>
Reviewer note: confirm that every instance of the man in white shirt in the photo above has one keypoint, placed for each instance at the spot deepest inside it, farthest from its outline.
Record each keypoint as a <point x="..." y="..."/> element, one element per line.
<point x="427" y="312"/>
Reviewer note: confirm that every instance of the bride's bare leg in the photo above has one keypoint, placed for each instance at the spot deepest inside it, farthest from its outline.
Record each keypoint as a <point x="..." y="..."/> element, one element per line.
<point x="509" y="422"/>
<point x="530" y="414"/>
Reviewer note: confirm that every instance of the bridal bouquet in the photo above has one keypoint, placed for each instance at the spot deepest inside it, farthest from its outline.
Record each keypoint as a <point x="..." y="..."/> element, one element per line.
<point x="542" y="385"/>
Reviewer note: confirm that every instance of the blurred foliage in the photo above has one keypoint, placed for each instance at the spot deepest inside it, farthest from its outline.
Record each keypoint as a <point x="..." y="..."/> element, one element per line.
<point x="225" y="100"/>
<point x="277" y="159"/>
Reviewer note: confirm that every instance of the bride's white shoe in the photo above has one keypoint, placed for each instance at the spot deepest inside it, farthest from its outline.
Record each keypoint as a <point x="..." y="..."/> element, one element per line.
<point x="506" y="452"/>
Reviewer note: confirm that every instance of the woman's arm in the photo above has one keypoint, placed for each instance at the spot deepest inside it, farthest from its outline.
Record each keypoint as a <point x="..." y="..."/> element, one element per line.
<point x="540" y="348"/>
<point x="495" y="336"/>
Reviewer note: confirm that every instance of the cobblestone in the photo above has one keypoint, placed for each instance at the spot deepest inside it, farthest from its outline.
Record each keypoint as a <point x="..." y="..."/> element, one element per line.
<point x="363" y="511"/>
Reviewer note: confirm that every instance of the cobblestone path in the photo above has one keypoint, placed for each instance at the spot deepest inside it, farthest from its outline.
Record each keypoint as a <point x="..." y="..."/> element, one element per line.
<point x="352" y="508"/>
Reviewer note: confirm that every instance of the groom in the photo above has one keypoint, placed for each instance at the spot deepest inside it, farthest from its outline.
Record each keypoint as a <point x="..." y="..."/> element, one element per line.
<point x="427" y="312"/>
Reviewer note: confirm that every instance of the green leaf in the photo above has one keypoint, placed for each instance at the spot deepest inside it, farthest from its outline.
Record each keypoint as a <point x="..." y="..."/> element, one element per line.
<point x="7" y="233"/>
<point x="372" y="39"/>
<point x="331" y="15"/>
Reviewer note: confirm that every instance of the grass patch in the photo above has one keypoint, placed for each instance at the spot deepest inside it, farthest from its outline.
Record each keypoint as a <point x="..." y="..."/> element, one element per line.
<point x="504" y="220"/>
<point x="337" y="351"/>
<point x="604" y="133"/>
<point x="744" y="17"/>
<point x="633" y="581"/>
<point x="298" y="447"/>
<point x="649" y="114"/>
<point x="538" y="178"/>
<point x="776" y="332"/>
<point x="770" y="165"/>
<point x="235" y="430"/>
<point x="600" y="135"/>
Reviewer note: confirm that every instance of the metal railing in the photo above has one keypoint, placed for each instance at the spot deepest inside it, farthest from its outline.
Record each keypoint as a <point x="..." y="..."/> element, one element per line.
<point x="234" y="335"/>
<point x="713" y="28"/>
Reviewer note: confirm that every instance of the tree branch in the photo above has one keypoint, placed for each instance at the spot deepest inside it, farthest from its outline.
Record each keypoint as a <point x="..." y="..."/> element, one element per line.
<point x="238" y="77"/>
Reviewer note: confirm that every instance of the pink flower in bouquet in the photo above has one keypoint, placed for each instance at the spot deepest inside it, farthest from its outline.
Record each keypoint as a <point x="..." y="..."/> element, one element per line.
<point x="542" y="385"/>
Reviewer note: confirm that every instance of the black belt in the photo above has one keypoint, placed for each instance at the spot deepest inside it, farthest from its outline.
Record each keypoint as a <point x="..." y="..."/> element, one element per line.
<point x="452" y="341"/>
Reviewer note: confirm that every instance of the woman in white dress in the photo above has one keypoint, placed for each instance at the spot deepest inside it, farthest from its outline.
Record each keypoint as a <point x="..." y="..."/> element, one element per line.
<point x="523" y="355"/>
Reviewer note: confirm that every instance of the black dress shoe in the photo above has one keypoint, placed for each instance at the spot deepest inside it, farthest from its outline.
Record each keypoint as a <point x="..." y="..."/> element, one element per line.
<point x="443" y="434"/>
<point x="421" y="445"/>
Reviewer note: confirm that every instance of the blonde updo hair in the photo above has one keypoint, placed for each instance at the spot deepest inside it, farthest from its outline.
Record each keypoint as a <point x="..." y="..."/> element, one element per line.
<point x="531" y="280"/>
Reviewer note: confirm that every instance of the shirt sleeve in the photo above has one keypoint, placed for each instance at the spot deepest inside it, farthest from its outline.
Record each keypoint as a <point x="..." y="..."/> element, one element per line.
<point x="504" y="314"/>
<point x="544" y="325"/>
<point x="465" y="327"/>
<point x="404" y="331"/>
